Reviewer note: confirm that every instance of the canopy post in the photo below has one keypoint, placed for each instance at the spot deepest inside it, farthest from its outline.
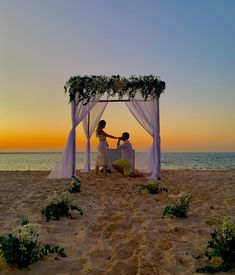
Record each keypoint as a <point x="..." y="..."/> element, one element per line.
<point x="158" y="142"/>
<point x="74" y="106"/>
<point x="88" y="142"/>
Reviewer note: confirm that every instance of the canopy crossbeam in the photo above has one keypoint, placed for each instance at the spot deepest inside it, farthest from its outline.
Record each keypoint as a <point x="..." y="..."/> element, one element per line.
<point x="122" y="100"/>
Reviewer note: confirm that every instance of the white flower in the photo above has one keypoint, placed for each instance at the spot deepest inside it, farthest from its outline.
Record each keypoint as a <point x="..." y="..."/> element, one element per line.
<point x="57" y="198"/>
<point x="66" y="197"/>
<point x="22" y="247"/>
<point x="181" y="198"/>
<point x="226" y="229"/>
<point x="28" y="233"/>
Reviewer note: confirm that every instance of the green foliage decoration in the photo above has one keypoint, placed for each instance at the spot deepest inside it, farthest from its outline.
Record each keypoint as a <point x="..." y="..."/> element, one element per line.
<point x="23" y="248"/>
<point x="58" y="205"/>
<point x="152" y="187"/>
<point x="180" y="205"/>
<point x="75" y="185"/>
<point x="87" y="87"/>
<point x="220" y="251"/>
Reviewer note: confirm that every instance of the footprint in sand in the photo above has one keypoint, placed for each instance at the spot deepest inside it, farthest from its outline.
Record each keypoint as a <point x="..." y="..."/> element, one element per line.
<point x="125" y="249"/>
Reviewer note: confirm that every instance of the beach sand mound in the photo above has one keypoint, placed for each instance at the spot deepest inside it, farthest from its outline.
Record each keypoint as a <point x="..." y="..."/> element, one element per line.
<point x="122" y="230"/>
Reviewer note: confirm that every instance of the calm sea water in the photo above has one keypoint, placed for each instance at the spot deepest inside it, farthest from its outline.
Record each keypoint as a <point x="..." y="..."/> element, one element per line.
<point x="46" y="161"/>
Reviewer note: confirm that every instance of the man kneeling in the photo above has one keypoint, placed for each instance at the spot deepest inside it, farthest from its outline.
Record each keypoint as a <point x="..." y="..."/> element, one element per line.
<point x="123" y="165"/>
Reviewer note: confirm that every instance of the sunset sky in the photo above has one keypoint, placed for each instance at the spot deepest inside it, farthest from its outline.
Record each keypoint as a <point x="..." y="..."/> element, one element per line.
<point x="189" y="44"/>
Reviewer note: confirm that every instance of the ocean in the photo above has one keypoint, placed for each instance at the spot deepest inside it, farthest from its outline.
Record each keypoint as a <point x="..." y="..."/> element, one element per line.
<point x="46" y="161"/>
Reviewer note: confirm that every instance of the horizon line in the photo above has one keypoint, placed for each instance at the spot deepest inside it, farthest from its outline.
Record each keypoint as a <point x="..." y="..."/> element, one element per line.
<point x="141" y="151"/>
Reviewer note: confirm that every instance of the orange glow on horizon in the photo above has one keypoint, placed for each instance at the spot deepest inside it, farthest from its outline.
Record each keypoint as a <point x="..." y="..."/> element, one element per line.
<point x="30" y="141"/>
<point x="51" y="135"/>
<point x="50" y="141"/>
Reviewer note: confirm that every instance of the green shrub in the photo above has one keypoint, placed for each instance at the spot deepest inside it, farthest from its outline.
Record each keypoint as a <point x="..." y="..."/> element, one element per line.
<point x="180" y="205"/>
<point x="152" y="187"/>
<point x="23" y="247"/>
<point x="58" y="205"/>
<point x="220" y="248"/>
<point x="75" y="185"/>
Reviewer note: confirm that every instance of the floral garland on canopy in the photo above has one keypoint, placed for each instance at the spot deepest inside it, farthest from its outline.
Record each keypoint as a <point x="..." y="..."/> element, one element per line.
<point x="87" y="87"/>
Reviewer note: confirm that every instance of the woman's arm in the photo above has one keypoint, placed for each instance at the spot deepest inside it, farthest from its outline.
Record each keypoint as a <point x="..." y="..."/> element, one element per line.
<point x="107" y="135"/>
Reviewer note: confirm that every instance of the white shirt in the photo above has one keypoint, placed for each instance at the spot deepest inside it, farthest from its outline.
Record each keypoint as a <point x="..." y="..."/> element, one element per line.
<point x="126" y="148"/>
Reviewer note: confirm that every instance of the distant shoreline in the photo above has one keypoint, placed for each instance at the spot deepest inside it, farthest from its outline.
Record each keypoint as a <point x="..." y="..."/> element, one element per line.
<point x="92" y="170"/>
<point x="164" y="152"/>
<point x="46" y="161"/>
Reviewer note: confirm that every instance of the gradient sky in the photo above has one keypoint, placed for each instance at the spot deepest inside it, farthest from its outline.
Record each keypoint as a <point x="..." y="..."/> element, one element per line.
<point x="189" y="44"/>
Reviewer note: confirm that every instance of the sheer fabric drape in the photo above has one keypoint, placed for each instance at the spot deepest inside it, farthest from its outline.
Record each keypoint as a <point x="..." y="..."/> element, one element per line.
<point x="66" y="167"/>
<point x="147" y="114"/>
<point x="89" y="124"/>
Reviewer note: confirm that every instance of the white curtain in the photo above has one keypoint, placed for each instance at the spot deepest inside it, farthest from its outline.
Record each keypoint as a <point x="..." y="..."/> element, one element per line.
<point x="66" y="167"/>
<point x="147" y="114"/>
<point x="89" y="124"/>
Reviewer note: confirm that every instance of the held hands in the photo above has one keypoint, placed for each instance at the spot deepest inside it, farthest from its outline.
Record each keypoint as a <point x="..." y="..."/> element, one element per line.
<point x="119" y="139"/>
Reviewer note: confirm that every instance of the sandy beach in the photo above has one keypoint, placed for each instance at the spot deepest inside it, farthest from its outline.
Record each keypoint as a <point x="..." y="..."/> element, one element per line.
<point x="122" y="230"/>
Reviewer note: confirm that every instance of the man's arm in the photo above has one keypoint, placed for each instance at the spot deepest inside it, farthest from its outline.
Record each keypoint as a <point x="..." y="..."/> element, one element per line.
<point x="118" y="143"/>
<point x="120" y="146"/>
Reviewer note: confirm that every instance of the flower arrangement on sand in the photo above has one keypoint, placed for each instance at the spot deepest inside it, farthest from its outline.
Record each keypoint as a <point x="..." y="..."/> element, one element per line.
<point x="180" y="205"/>
<point x="220" y="251"/>
<point x="58" y="205"/>
<point x="75" y="185"/>
<point x="23" y="247"/>
<point x="152" y="187"/>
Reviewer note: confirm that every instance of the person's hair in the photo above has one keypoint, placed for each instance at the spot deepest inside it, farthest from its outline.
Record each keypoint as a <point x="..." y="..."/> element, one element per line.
<point x="100" y="126"/>
<point x="127" y="135"/>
